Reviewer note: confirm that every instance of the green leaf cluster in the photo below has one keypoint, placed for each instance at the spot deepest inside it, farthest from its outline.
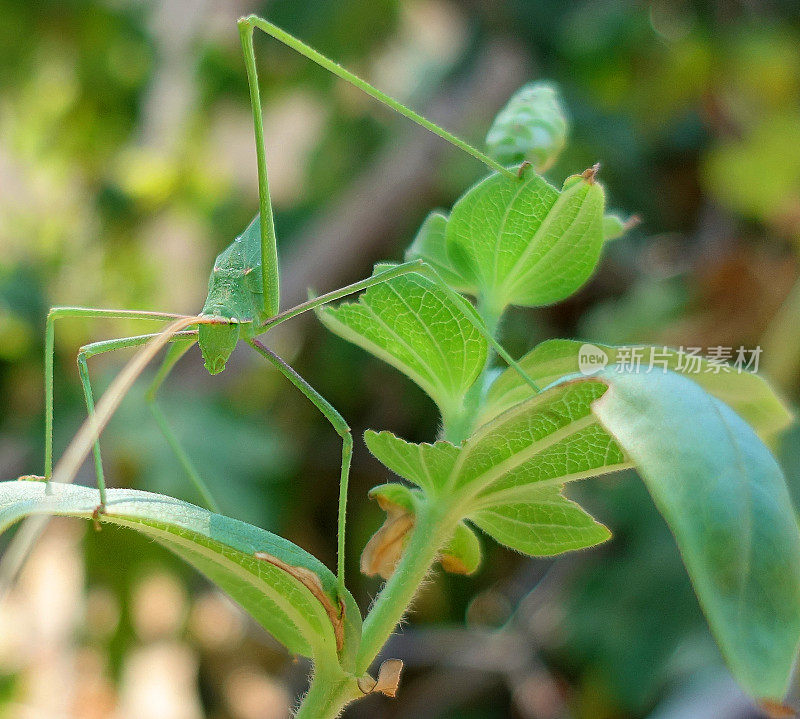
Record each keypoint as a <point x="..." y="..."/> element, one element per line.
<point x="695" y="434"/>
<point x="517" y="241"/>
<point x="724" y="497"/>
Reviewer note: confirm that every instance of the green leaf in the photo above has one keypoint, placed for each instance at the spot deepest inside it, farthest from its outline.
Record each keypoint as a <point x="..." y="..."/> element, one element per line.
<point x="532" y="126"/>
<point x="413" y="325"/>
<point x="429" y="245"/>
<point x="748" y="394"/>
<point x="725" y="499"/>
<point x="522" y="242"/>
<point x="543" y="524"/>
<point x="288" y="591"/>
<point x="548" y="440"/>
<point x="423" y="464"/>
<point x="517" y="466"/>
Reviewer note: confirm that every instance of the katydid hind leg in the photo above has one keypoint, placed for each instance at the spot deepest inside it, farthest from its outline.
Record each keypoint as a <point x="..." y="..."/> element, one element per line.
<point x="342" y="429"/>
<point x="246" y="25"/>
<point x="269" y="253"/>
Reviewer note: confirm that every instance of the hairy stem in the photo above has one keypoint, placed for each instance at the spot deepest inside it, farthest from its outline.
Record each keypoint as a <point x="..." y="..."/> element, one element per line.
<point x="328" y="693"/>
<point x="432" y="529"/>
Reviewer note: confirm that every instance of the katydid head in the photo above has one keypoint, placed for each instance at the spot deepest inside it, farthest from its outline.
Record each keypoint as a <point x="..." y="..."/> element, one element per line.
<point x="217" y="342"/>
<point x="235" y="298"/>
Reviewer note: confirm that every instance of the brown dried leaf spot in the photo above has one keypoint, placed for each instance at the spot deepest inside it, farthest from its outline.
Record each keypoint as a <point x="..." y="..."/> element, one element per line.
<point x="312" y="582"/>
<point x="454" y="565"/>
<point x="385" y="547"/>
<point x="776" y="710"/>
<point x="590" y="173"/>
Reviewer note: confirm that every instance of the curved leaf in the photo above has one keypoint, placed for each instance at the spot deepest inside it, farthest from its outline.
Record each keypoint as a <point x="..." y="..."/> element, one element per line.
<point x="430" y="245"/>
<point x="532" y="126"/>
<point x="522" y="242"/>
<point x="725" y="499"/>
<point x="413" y="325"/>
<point x="288" y="591"/>
<point x="461" y="555"/>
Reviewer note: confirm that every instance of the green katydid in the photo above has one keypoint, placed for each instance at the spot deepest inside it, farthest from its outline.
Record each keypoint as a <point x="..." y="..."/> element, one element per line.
<point x="243" y="301"/>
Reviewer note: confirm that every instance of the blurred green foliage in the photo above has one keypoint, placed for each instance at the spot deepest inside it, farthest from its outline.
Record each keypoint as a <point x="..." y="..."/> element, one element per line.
<point x="126" y="163"/>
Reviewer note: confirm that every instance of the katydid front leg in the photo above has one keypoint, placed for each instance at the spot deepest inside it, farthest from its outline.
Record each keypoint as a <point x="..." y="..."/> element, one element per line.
<point x="57" y="313"/>
<point x="342" y="429"/>
<point x="91" y="350"/>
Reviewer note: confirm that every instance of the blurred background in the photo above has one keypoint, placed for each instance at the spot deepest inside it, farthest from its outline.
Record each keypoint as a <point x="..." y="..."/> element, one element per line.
<point x="127" y="163"/>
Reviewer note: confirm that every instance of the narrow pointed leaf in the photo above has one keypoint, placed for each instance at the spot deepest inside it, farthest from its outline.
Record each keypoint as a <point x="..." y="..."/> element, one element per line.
<point x="288" y="591"/>
<point x="746" y="393"/>
<point x="414" y="326"/>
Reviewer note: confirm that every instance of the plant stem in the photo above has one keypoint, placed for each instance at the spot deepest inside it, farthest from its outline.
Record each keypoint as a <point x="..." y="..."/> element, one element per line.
<point x="456" y="425"/>
<point x="490" y="314"/>
<point x="432" y="529"/>
<point x="327" y="695"/>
